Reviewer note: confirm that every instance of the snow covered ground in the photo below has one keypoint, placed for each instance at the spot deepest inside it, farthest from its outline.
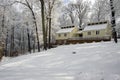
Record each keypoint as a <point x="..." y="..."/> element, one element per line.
<point x="92" y="61"/>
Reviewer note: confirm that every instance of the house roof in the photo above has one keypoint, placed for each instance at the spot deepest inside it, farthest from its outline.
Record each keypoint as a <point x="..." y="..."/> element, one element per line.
<point x="79" y="32"/>
<point x="66" y="30"/>
<point x="95" y="27"/>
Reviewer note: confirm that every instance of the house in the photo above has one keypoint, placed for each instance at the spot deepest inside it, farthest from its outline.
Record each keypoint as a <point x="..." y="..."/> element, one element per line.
<point x="65" y="33"/>
<point x="97" y="31"/>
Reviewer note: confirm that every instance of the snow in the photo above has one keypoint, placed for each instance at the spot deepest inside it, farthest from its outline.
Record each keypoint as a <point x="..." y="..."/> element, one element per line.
<point x="92" y="61"/>
<point x="96" y="27"/>
<point x="66" y="30"/>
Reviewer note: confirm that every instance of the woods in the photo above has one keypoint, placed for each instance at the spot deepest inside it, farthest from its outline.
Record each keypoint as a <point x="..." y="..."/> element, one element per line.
<point x="30" y="25"/>
<point x="19" y="27"/>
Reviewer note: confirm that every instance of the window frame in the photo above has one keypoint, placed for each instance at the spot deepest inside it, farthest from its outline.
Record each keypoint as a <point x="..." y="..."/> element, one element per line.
<point x="89" y="33"/>
<point x="97" y="32"/>
<point x="65" y="34"/>
<point x="59" y="35"/>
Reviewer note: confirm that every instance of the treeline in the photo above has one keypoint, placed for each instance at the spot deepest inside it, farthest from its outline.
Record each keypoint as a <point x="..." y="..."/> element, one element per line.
<point x="27" y="26"/>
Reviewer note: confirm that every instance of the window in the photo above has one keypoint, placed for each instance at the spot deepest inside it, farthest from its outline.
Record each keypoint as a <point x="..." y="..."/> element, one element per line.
<point x="97" y="32"/>
<point x="65" y="34"/>
<point x="80" y="35"/>
<point x="59" y="35"/>
<point x="89" y="33"/>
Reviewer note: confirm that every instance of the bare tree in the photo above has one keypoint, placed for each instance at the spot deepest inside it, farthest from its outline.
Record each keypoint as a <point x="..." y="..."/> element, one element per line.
<point x="100" y="10"/>
<point x="4" y="31"/>
<point x="81" y="8"/>
<point x="70" y="10"/>
<point x="27" y="4"/>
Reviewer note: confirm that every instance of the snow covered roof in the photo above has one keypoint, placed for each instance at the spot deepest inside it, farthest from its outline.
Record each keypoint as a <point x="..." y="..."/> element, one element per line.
<point x="65" y="30"/>
<point x="95" y="27"/>
<point x="79" y="32"/>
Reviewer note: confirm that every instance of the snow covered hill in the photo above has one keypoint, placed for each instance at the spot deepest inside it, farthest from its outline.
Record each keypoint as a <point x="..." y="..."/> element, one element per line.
<point x="90" y="61"/>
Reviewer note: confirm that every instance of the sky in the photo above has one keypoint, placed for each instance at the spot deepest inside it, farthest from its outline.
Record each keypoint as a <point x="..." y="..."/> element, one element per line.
<point x="67" y="1"/>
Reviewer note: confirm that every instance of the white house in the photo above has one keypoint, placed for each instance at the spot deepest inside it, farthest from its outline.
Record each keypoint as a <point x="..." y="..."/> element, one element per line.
<point x="92" y="32"/>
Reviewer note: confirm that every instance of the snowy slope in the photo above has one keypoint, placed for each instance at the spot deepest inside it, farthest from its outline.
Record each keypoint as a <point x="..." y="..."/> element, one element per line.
<point x="92" y="61"/>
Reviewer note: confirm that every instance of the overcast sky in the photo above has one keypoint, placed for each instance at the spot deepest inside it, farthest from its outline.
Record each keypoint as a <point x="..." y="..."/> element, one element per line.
<point x="67" y="1"/>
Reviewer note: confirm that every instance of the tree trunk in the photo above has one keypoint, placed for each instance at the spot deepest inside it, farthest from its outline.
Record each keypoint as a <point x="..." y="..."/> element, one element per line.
<point x="72" y="19"/>
<point x="12" y="43"/>
<point x="43" y="25"/>
<point x="29" y="46"/>
<point x="50" y="19"/>
<point x="3" y="21"/>
<point x="49" y="42"/>
<point x="49" y="39"/>
<point x="47" y="25"/>
<point x="23" y="42"/>
<point x="80" y="22"/>
<point x="6" y="52"/>
<point x="113" y="22"/>
<point x="34" y="45"/>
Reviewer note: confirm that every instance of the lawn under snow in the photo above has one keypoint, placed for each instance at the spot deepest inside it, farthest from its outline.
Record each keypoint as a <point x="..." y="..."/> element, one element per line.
<point x="92" y="61"/>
